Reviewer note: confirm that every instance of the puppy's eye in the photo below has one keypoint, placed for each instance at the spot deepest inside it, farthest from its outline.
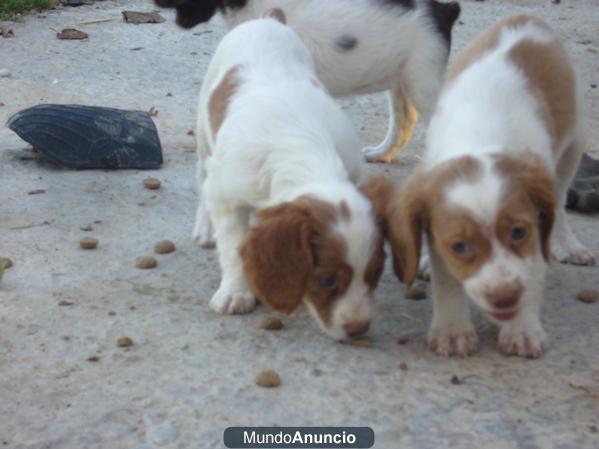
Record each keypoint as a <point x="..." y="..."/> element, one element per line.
<point x="518" y="233"/>
<point x="460" y="248"/>
<point x="326" y="282"/>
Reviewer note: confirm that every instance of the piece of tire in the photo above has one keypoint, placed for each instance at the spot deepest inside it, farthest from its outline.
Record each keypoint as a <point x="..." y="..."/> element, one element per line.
<point x="90" y="136"/>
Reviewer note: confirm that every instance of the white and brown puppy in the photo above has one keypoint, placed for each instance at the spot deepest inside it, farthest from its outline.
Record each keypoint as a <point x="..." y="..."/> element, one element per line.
<point x="502" y="148"/>
<point x="360" y="47"/>
<point x="275" y="147"/>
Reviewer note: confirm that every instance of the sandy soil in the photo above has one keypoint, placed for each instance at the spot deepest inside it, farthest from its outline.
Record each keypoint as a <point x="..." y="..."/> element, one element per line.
<point x="191" y="373"/>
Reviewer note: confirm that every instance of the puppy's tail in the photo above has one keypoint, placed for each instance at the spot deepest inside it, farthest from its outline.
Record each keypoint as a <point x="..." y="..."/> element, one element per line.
<point x="444" y="16"/>
<point x="277" y="14"/>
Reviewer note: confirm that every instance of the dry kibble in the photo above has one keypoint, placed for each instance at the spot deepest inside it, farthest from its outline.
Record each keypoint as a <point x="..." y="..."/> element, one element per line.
<point x="124" y="342"/>
<point x="146" y="262"/>
<point x="271" y="324"/>
<point x="268" y="379"/>
<point x="588" y="296"/>
<point x="164" y="247"/>
<point x="416" y="291"/>
<point x="403" y="366"/>
<point x="152" y="183"/>
<point x="7" y="262"/>
<point x="362" y="342"/>
<point x="88" y="243"/>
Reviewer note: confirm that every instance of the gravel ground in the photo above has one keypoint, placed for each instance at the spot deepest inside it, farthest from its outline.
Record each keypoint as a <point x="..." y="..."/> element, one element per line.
<point x="64" y="383"/>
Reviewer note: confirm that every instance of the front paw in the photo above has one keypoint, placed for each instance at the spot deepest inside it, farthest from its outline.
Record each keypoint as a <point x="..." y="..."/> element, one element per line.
<point x="574" y="254"/>
<point x="232" y="301"/>
<point x="448" y="342"/>
<point x="526" y="340"/>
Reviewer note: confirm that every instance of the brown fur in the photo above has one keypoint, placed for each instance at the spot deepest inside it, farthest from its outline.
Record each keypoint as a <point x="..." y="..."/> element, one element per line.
<point x="220" y="98"/>
<point x="487" y="41"/>
<point x="379" y="191"/>
<point x="277" y="14"/>
<point x="551" y="79"/>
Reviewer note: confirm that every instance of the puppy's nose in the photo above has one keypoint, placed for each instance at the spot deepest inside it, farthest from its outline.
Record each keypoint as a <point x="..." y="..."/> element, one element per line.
<point x="505" y="297"/>
<point x="355" y="328"/>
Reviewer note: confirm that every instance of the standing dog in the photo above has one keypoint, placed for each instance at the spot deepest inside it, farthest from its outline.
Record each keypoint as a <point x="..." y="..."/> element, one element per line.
<point x="360" y="47"/>
<point x="502" y="148"/>
<point x="275" y="146"/>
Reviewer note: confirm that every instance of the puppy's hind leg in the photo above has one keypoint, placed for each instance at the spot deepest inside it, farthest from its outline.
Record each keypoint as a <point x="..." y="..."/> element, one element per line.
<point x="203" y="231"/>
<point x="402" y="121"/>
<point x="565" y="246"/>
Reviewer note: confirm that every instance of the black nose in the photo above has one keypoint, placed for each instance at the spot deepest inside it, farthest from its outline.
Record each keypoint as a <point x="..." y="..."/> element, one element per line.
<point x="355" y="328"/>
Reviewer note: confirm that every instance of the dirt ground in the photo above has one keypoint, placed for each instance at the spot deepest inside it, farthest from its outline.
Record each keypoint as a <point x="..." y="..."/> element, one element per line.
<point x="190" y="373"/>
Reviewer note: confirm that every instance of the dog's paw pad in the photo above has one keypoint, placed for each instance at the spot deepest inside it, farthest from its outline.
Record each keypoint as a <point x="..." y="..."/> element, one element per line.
<point x="203" y="235"/>
<point x="575" y="255"/>
<point x="446" y="343"/>
<point x="232" y="303"/>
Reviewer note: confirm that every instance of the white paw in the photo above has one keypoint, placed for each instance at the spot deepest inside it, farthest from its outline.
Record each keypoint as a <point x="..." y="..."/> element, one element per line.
<point x="424" y="269"/>
<point x="232" y="301"/>
<point x="523" y="338"/>
<point x="376" y="154"/>
<point x="203" y="233"/>
<point x="574" y="254"/>
<point x="448" y="342"/>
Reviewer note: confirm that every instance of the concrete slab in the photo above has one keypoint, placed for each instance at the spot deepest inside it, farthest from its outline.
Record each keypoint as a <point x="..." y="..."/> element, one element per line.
<point x="191" y="373"/>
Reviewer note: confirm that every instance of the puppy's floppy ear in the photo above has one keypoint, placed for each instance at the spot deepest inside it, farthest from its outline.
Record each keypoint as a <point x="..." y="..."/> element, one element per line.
<point x="379" y="191"/>
<point x="538" y="183"/>
<point x="277" y="258"/>
<point x="406" y="215"/>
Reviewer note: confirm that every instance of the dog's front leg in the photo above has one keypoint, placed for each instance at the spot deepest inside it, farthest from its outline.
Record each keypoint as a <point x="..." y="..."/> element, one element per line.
<point x="451" y="332"/>
<point x="233" y="295"/>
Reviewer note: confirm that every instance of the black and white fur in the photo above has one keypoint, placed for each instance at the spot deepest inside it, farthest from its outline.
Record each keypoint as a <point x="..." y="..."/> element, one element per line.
<point x="360" y="47"/>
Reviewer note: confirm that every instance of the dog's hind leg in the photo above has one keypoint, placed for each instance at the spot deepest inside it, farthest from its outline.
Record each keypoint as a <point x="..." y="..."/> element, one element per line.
<point x="402" y="121"/>
<point x="203" y="231"/>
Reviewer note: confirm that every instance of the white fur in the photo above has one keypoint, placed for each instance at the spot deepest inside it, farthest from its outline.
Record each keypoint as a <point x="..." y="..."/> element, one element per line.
<point x="283" y="137"/>
<point x="396" y="49"/>
<point x="485" y="110"/>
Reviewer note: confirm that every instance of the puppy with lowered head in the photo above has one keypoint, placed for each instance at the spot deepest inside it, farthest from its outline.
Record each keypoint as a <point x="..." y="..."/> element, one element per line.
<point x="360" y="47"/>
<point x="502" y="148"/>
<point x="276" y="148"/>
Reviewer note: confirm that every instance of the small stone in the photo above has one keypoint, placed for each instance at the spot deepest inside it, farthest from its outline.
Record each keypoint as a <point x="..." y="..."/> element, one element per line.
<point x="191" y="132"/>
<point x="268" y="379"/>
<point x="402" y="341"/>
<point x="588" y="296"/>
<point x="88" y="243"/>
<point x="403" y="366"/>
<point x="71" y="34"/>
<point x="164" y="247"/>
<point x="7" y="262"/>
<point x="93" y="358"/>
<point x="146" y="262"/>
<point x="124" y="342"/>
<point x="362" y="342"/>
<point x="66" y="338"/>
<point x="112" y="313"/>
<point x="455" y="380"/>
<point x="271" y="324"/>
<point x="65" y="303"/>
<point x="152" y="183"/>
<point x="416" y="291"/>
<point x="4" y="73"/>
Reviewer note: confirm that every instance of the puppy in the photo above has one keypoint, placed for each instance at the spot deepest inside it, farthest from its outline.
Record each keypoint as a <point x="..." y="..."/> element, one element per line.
<point x="502" y="148"/>
<point x="360" y="47"/>
<point x="277" y="150"/>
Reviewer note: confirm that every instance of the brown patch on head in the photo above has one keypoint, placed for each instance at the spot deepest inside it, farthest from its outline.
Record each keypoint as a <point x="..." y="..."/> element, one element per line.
<point x="528" y="209"/>
<point x="420" y="207"/>
<point x="487" y="41"/>
<point x="293" y="253"/>
<point x="551" y="80"/>
<point x="277" y="14"/>
<point x="220" y="98"/>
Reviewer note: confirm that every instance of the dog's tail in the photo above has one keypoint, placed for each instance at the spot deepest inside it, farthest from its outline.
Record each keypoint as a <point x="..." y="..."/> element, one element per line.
<point x="277" y="14"/>
<point x="444" y="16"/>
<point x="193" y="12"/>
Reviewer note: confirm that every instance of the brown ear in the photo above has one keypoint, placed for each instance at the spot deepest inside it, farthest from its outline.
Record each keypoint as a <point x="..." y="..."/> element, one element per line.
<point x="406" y="215"/>
<point x="379" y="191"/>
<point x="538" y="182"/>
<point x="277" y="14"/>
<point x="277" y="258"/>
